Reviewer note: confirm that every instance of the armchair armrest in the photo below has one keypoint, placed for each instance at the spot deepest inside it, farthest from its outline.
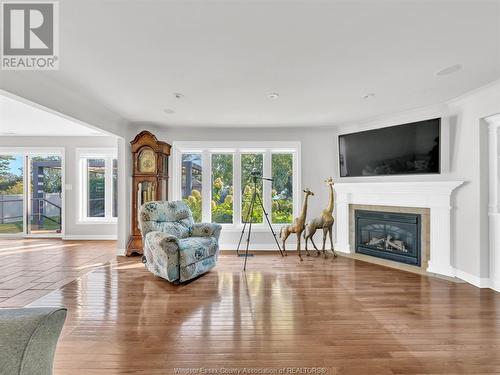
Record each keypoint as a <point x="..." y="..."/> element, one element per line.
<point x="162" y="241"/>
<point x="161" y="251"/>
<point x="206" y="230"/>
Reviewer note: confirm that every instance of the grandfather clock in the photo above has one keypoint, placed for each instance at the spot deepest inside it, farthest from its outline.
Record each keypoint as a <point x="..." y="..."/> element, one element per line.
<point x="150" y="179"/>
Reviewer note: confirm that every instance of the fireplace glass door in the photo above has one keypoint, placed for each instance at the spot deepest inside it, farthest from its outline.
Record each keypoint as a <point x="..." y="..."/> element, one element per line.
<point x="393" y="236"/>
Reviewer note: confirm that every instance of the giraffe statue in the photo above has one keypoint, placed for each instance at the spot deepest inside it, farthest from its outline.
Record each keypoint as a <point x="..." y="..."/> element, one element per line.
<point x="325" y="222"/>
<point x="298" y="224"/>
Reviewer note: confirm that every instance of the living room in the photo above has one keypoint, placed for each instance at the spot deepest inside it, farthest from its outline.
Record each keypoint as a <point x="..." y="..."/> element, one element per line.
<point x="250" y="187"/>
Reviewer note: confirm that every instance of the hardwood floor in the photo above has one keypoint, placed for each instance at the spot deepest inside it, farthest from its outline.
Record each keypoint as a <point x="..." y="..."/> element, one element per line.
<point x="32" y="268"/>
<point x="343" y="315"/>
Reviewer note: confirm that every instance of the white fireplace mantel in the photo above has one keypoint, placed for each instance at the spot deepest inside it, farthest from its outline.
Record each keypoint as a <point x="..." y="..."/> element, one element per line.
<point x="434" y="195"/>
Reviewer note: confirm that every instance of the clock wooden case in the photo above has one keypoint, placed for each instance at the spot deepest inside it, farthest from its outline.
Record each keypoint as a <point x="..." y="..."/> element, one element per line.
<point x="150" y="179"/>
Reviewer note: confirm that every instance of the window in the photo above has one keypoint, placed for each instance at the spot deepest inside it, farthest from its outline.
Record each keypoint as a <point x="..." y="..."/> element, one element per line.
<point x="249" y="163"/>
<point x="282" y="192"/>
<point x="191" y="183"/>
<point x="222" y="188"/>
<point x="217" y="180"/>
<point x="98" y="185"/>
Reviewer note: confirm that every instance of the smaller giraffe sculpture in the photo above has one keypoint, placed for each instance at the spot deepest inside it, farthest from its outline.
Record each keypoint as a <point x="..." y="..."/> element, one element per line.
<point x="325" y="222"/>
<point x="298" y="224"/>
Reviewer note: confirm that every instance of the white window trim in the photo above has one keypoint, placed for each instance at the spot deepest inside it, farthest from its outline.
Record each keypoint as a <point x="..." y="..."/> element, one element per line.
<point x="82" y="155"/>
<point x="206" y="148"/>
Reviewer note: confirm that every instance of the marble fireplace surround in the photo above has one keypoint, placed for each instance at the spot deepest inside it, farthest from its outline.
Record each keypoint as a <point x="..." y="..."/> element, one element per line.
<point x="434" y="195"/>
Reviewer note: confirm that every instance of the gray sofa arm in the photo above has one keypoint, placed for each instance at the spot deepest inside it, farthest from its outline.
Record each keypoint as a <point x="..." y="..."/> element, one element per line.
<point x="28" y="339"/>
<point x="206" y="230"/>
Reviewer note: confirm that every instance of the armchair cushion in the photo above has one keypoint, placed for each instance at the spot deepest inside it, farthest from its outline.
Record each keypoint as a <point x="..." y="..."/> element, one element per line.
<point x="176" y="229"/>
<point x="194" y="249"/>
<point x="173" y="217"/>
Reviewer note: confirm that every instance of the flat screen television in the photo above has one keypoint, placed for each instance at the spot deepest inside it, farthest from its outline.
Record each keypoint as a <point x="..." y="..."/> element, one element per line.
<point x="412" y="148"/>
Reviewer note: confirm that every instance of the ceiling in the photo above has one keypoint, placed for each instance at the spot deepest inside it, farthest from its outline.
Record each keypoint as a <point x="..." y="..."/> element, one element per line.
<point x="226" y="57"/>
<point x="19" y="118"/>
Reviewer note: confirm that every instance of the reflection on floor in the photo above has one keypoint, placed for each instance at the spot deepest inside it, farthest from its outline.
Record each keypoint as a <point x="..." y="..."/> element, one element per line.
<point x="345" y="315"/>
<point x="32" y="268"/>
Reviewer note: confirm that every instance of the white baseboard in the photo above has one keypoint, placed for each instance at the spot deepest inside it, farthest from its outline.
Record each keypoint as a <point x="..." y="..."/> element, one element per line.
<point x="343" y="248"/>
<point x="258" y="246"/>
<point x="90" y="237"/>
<point x="448" y="271"/>
<point x="495" y="285"/>
<point x="121" y="252"/>
<point x="480" y="282"/>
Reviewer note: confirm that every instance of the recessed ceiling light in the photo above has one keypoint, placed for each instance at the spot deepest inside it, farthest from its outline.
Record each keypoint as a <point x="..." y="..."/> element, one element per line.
<point x="169" y="111"/>
<point x="274" y="95"/>
<point x="369" y="95"/>
<point x="178" y="95"/>
<point x="450" y="70"/>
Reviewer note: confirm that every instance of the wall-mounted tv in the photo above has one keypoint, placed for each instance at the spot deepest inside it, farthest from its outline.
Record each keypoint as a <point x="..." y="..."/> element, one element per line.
<point x="412" y="148"/>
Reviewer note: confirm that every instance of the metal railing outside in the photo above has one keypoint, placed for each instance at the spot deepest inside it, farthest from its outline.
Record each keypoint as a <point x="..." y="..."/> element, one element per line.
<point x="42" y="209"/>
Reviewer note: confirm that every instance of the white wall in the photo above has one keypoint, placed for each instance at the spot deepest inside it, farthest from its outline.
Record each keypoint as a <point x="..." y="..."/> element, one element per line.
<point x="471" y="162"/>
<point x="124" y="195"/>
<point x="317" y="157"/>
<point x="467" y="159"/>
<point x="72" y="228"/>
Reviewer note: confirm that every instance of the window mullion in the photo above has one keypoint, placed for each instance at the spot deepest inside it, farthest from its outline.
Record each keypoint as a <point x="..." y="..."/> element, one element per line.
<point x="297" y="185"/>
<point x="84" y="214"/>
<point x="267" y="185"/>
<point x="237" y="189"/>
<point x="108" y="188"/>
<point x="206" y="186"/>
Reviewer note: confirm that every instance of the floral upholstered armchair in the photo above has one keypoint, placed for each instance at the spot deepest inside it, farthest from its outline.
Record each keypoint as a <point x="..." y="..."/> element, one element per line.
<point x="176" y="248"/>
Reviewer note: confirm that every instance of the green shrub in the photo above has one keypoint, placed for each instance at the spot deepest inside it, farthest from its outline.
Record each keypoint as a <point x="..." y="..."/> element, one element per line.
<point x="194" y="203"/>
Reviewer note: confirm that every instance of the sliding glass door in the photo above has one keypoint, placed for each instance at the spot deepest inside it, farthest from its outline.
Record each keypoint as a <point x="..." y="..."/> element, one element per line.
<point x="12" y="206"/>
<point x="31" y="198"/>
<point x="45" y="194"/>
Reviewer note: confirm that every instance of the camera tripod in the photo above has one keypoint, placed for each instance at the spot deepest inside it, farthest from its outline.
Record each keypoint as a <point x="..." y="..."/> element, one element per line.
<point x="249" y="218"/>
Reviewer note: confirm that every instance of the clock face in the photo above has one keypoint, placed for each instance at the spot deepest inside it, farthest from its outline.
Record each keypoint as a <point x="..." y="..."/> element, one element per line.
<point x="147" y="161"/>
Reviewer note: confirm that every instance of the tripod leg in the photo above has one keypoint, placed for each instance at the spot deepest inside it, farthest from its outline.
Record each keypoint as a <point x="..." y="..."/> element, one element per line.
<point x="244" y="227"/>
<point x="269" y="223"/>
<point x="250" y="209"/>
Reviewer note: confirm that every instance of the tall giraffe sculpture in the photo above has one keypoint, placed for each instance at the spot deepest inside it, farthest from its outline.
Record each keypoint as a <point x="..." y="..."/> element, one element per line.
<point x="325" y="222"/>
<point x="298" y="224"/>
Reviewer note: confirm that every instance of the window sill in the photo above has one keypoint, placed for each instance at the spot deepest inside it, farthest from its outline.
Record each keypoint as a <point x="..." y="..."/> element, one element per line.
<point x="255" y="227"/>
<point x="97" y="221"/>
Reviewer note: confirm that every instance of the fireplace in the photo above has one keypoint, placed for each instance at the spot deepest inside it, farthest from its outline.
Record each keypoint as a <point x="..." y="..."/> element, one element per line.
<point x="389" y="235"/>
